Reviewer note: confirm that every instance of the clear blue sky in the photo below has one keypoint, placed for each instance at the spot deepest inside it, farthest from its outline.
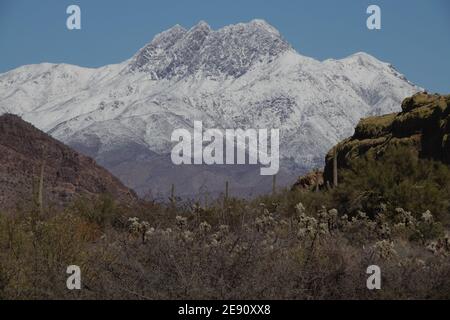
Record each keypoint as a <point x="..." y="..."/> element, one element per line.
<point x="415" y="34"/>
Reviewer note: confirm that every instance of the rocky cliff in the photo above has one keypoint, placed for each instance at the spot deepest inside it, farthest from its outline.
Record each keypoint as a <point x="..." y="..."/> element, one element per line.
<point x="423" y="125"/>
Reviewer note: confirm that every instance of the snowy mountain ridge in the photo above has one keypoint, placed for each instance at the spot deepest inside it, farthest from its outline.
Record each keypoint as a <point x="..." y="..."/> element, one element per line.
<point x="240" y="76"/>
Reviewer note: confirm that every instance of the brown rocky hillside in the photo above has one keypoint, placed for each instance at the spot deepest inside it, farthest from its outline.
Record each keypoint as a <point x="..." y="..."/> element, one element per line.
<point x="25" y="150"/>
<point x="423" y="125"/>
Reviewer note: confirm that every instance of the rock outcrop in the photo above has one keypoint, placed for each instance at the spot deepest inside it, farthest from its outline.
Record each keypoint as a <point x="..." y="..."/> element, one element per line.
<point x="423" y="124"/>
<point x="312" y="181"/>
<point x="25" y="151"/>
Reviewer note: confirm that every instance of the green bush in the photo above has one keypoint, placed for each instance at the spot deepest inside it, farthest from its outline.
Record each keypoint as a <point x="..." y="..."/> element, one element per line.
<point x="102" y="211"/>
<point x="398" y="178"/>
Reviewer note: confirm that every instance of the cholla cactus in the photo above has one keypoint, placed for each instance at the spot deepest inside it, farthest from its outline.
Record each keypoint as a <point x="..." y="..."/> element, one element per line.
<point x="187" y="236"/>
<point x="333" y="213"/>
<point x="205" y="227"/>
<point x="214" y="243"/>
<point x="308" y="227"/>
<point x="427" y="217"/>
<point x="432" y="247"/>
<point x="362" y="215"/>
<point x="384" y="230"/>
<point x="441" y="247"/>
<point x="139" y="228"/>
<point x="167" y="232"/>
<point x="284" y="223"/>
<point x="216" y="237"/>
<point x="134" y="225"/>
<point x="268" y="244"/>
<point x="150" y="231"/>
<point x="447" y="239"/>
<point x="301" y="212"/>
<point x="323" y="214"/>
<point x="405" y="217"/>
<point x="323" y="228"/>
<point x="224" y="229"/>
<point x="300" y="209"/>
<point x="239" y="248"/>
<point x="266" y="221"/>
<point x="145" y="225"/>
<point x="343" y="221"/>
<point x="328" y="220"/>
<point x="196" y="209"/>
<point x="385" y="249"/>
<point x="181" y="222"/>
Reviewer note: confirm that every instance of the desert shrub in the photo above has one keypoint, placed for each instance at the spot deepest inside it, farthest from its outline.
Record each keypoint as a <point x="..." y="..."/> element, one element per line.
<point x="285" y="202"/>
<point x="37" y="250"/>
<point x="398" y="179"/>
<point x="265" y="253"/>
<point x="102" y="211"/>
<point x="288" y="245"/>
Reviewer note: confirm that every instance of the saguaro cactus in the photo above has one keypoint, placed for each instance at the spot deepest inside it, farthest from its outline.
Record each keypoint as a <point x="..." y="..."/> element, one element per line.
<point x="40" y="188"/>
<point x="274" y="184"/>
<point x="225" y="202"/>
<point x="172" y="194"/>
<point x="335" y="167"/>
<point x="317" y="187"/>
<point x="226" y="192"/>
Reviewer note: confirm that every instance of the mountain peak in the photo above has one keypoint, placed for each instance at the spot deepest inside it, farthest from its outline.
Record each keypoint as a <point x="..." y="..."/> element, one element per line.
<point x="362" y="58"/>
<point x="258" y="26"/>
<point x="175" y="32"/>
<point x="202" y="25"/>
<point x="229" y="51"/>
<point x="239" y="76"/>
<point x="260" y="22"/>
<point x="264" y="25"/>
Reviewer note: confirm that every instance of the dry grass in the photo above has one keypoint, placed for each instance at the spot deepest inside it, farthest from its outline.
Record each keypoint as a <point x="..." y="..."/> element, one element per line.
<point x="276" y="249"/>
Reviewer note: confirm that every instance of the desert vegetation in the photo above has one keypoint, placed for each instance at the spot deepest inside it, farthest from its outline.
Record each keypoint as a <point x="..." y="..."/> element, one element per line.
<point x="298" y="244"/>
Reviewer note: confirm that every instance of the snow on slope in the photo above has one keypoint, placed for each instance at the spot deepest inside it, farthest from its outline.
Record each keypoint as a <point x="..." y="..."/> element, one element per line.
<point x="241" y="76"/>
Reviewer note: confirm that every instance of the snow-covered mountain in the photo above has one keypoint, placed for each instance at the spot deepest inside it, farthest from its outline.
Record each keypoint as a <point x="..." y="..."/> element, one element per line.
<point x="240" y="76"/>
